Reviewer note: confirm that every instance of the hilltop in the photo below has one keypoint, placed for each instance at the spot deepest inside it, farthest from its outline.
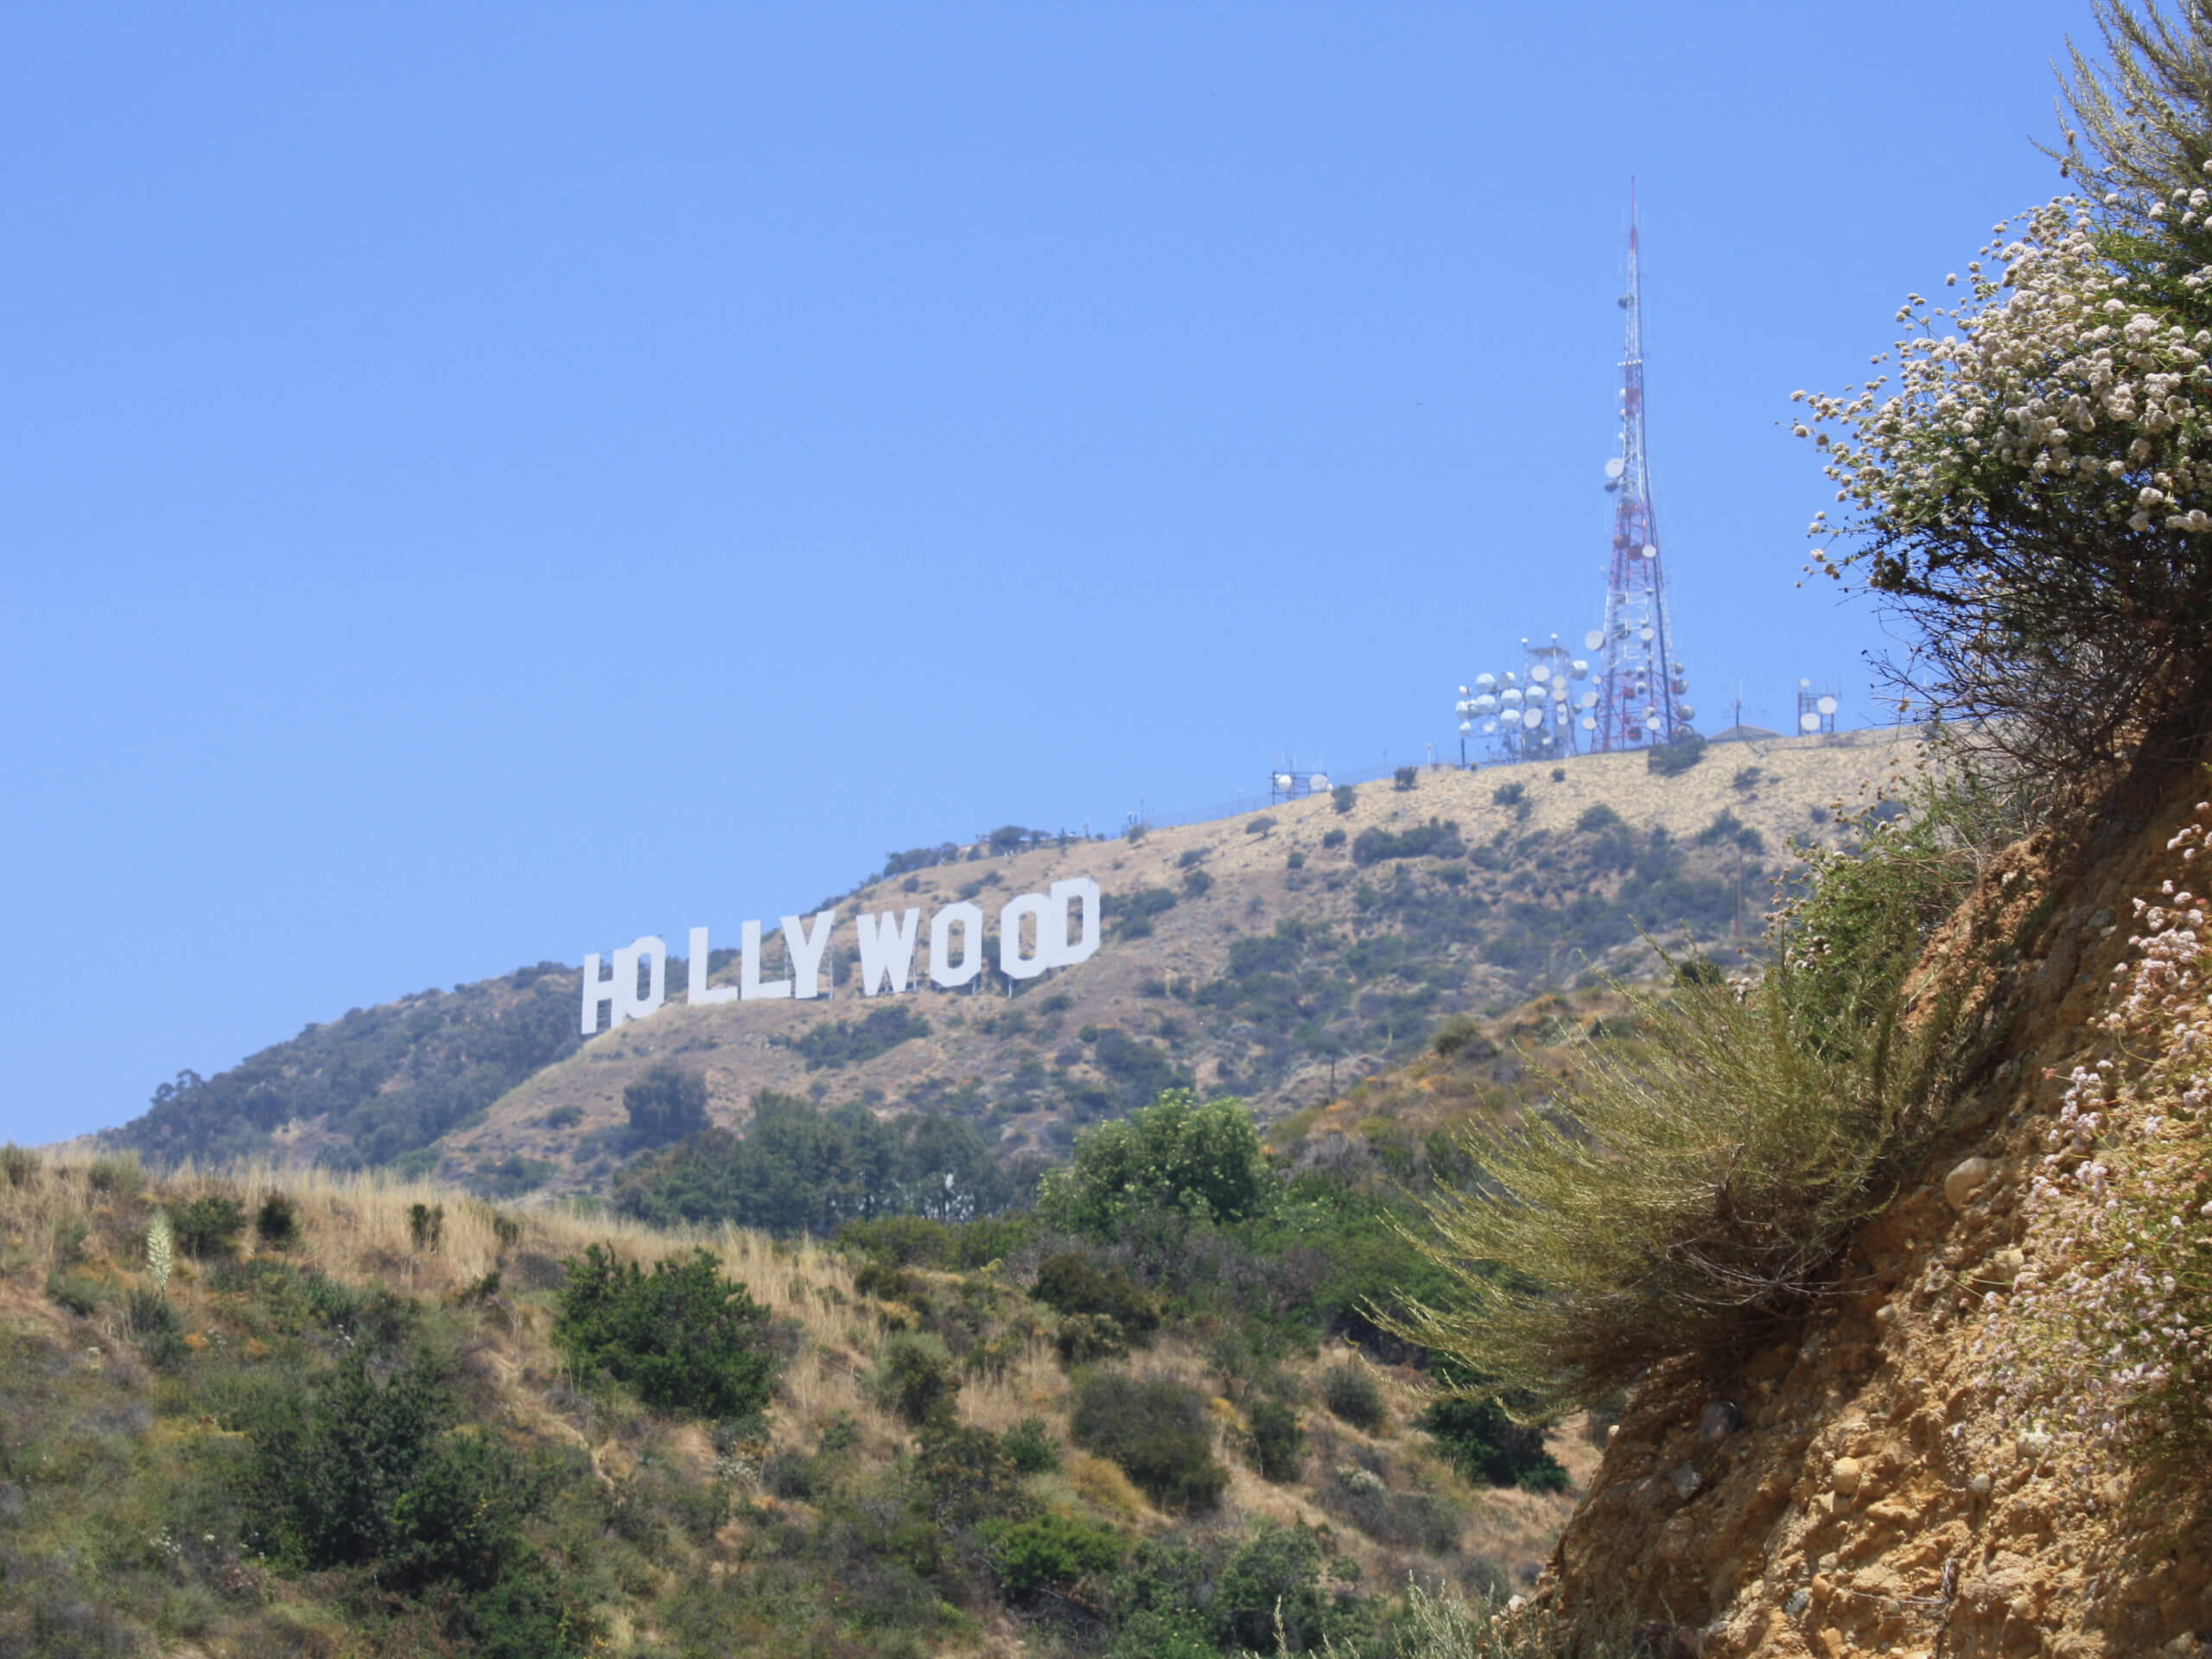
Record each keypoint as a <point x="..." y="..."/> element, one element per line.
<point x="1281" y="954"/>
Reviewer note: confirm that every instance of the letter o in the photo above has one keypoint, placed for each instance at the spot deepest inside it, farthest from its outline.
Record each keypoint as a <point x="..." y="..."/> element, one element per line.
<point x="1012" y="962"/>
<point x="943" y="971"/>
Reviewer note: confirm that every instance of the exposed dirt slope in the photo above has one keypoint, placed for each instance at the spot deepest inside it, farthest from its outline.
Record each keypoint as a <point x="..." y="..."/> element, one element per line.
<point x="1874" y="1498"/>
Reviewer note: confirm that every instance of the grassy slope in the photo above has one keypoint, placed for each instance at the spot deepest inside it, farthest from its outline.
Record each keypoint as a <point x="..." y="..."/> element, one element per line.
<point x="115" y="1532"/>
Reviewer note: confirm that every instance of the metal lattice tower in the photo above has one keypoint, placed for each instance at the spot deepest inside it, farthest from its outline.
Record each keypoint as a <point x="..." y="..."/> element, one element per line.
<point x="1640" y="685"/>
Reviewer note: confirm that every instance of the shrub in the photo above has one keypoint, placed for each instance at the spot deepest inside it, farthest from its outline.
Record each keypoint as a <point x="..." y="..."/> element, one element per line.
<point x="19" y="1166"/>
<point x="915" y="1378"/>
<point x="426" y="1226"/>
<point x="1438" y="838"/>
<point x="276" y="1224"/>
<point x="79" y="1292"/>
<point x="209" y="1226"/>
<point x="1332" y="839"/>
<point x="666" y="1104"/>
<point x="119" y="1178"/>
<point x="1081" y="1338"/>
<point x="1509" y="795"/>
<point x="1457" y="1033"/>
<point x="1349" y="1391"/>
<point x="1341" y="798"/>
<point x="153" y="1323"/>
<point x="1296" y="861"/>
<point x="1480" y="1441"/>
<point x="684" y="1338"/>
<point x="1068" y="1283"/>
<point x="1259" y="826"/>
<point x="1595" y="820"/>
<point x="1205" y="1161"/>
<point x="1157" y="1429"/>
<point x="1278" y="1440"/>
<point x="1405" y="778"/>
<point x="1676" y="756"/>
<point x="1197" y="883"/>
<point x="1559" y="775"/>
<point x="1030" y="1447"/>
<point x="1051" y="1552"/>
<point x="1274" y="1584"/>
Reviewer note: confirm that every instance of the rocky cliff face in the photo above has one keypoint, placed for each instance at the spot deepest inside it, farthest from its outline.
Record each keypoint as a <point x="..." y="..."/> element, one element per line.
<point x="1866" y="1484"/>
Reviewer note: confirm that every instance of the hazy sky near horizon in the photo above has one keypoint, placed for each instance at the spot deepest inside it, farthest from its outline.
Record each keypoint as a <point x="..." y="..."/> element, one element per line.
<point x="481" y="483"/>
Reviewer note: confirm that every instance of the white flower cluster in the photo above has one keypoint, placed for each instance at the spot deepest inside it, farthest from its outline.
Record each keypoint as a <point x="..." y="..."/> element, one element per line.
<point x="2063" y="370"/>
<point x="2109" y="1336"/>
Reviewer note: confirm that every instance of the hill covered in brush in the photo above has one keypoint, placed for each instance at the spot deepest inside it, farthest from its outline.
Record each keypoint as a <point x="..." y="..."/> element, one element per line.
<point x="1279" y="957"/>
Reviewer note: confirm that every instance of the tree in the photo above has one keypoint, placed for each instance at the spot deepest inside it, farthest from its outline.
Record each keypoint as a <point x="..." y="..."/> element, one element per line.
<point x="1202" y="1161"/>
<point x="667" y="1103"/>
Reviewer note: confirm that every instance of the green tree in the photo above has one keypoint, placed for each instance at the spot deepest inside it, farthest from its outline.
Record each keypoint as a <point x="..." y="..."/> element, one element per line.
<point x="667" y="1103"/>
<point x="684" y="1338"/>
<point x="1203" y="1161"/>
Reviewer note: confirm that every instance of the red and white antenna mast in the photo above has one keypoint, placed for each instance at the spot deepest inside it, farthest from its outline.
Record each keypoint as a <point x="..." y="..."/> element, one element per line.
<point x="1640" y="685"/>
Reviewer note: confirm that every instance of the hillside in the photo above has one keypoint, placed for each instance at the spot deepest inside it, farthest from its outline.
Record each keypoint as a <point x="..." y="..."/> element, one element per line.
<point x="258" y="1412"/>
<point x="1281" y="957"/>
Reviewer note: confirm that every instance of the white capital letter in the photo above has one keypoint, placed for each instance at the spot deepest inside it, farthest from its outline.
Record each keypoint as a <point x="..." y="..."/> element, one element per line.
<point x="887" y="956"/>
<point x="805" y="952"/>
<point x="1012" y="962"/>
<point x="943" y="969"/>
<point x="699" y="995"/>
<point x="748" y="974"/>
<point x="621" y="991"/>
<point x="1061" y="951"/>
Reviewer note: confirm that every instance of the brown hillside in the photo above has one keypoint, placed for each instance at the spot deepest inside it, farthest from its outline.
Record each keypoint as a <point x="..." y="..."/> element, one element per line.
<point x="1011" y="1061"/>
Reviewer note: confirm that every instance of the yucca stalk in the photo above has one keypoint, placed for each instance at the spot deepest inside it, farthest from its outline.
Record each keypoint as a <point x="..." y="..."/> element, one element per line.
<point x="161" y="1249"/>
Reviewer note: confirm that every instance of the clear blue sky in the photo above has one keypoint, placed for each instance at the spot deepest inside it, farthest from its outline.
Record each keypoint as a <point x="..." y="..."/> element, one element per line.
<point x="481" y="483"/>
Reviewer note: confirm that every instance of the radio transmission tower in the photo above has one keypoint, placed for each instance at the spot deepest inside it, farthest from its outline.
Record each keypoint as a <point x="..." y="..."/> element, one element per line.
<point x="1640" y="685"/>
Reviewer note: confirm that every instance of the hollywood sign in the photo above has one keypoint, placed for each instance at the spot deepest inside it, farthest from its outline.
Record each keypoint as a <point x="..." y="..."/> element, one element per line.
<point x="886" y="947"/>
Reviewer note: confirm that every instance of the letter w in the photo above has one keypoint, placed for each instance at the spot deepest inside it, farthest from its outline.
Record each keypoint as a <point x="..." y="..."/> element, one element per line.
<point x="886" y="950"/>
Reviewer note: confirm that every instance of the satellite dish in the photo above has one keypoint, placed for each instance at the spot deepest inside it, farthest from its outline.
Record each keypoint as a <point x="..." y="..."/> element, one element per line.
<point x="1485" y="705"/>
<point x="1283" y="781"/>
<point x="1593" y="639"/>
<point x="1805" y="685"/>
<point x="1589" y="699"/>
<point x="1651" y="722"/>
<point x="1540" y="673"/>
<point x="1509" y="698"/>
<point x="1490" y="726"/>
<point x="1686" y="711"/>
<point x="1466" y="730"/>
<point x="1589" y="723"/>
<point x="1508" y="678"/>
<point x="1645" y="634"/>
<point x="1616" y="466"/>
<point x="1808" y="723"/>
<point x="1649" y="552"/>
<point x="1320" y="780"/>
<point x="1826" y="705"/>
<point x="1463" y="691"/>
<point x="1579" y="669"/>
<point x="1533" y="718"/>
<point x="1484" y="682"/>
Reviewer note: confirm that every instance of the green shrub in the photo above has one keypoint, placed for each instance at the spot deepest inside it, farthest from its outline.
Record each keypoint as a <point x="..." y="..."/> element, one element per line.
<point x="1457" y="1033"/>
<point x="1157" y="1429"/>
<point x="19" y="1166"/>
<point x="1438" y="838"/>
<point x="1068" y="1283"/>
<point x="1259" y="826"/>
<point x="209" y="1226"/>
<point x="1204" y="1162"/>
<point x="1030" y="1447"/>
<point x="276" y="1224"/>
<point x="1332" y="839"/>
<point x="684" y="1338"/>
<point x="1405" y="778"/>
<point x="1054" y="1552"/>
<point x="666" y="1104"/>
<point x="79" y="1292"/>
<point x="1510" y="795"/>
<point x="1480" y="1441"/>
<point x="426" y="1226"/>
<point x="1274" y="1583"/>
<point x="1595" y="820"/>
<point x="1278" y="1440"/>
<point x="1677" y="755"/>
<point x="915" y="1378"/>
<point x="1341" y="798"/>
<point x="152" y="1322"/>
<point x="119" y="1178"/>
<point x="1295" y="862"/>
<point x="1080" y="1339"/>
<point x="1351" y="1392"/>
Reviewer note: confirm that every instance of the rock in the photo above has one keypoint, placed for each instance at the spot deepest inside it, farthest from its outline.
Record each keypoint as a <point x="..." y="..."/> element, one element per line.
<point x="1686" y="1481"/>
<point x="1980" y="1486"/>
<point x="1959" y="1186"/>
<point x="1844" y="1475"/>
<point x="1721" y="1418"/>
<point x="1799" y="1600"/>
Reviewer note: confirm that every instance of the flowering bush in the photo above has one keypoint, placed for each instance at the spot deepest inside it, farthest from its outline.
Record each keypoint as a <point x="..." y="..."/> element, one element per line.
<point x="2106" y="1341"/>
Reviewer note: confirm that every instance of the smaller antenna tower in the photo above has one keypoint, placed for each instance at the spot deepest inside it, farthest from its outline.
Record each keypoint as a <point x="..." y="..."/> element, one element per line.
<point x="1815" y="709"/>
